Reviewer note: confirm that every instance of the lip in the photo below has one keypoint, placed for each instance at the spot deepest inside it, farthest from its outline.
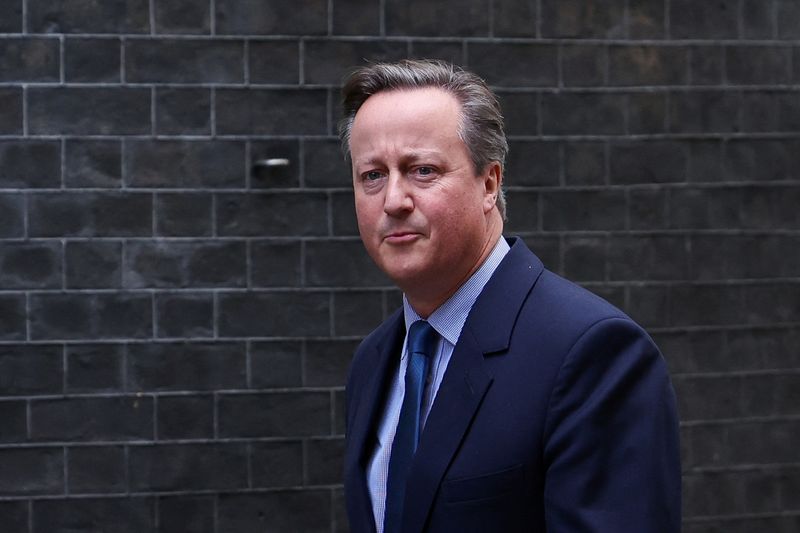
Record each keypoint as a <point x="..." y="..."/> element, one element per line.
<point x="401" y="237"/>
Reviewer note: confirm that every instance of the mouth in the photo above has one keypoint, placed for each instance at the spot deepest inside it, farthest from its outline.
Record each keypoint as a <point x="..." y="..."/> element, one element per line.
<point x="401" y="237"/>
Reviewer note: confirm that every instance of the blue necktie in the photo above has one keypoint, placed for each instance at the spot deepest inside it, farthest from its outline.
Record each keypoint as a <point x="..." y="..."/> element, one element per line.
<point x="421" y="343"/>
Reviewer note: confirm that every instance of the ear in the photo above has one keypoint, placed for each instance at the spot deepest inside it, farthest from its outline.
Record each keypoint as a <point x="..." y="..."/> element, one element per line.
<point x="492" y="180"/>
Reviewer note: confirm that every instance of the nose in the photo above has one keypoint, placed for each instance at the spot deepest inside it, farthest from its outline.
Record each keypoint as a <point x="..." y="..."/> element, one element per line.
<point x="397" y="200"/>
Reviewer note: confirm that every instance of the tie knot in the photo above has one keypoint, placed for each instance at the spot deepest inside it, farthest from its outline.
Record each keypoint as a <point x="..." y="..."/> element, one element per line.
<point x="421" y="338"/>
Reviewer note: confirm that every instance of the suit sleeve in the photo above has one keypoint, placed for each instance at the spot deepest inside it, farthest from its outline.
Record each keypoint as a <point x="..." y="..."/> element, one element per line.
<point x="611" y="438"/>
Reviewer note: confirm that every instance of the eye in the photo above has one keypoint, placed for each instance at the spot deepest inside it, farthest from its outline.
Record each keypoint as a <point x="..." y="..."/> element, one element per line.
<point x="424" y="171"/>
<point x="372" y="175"/>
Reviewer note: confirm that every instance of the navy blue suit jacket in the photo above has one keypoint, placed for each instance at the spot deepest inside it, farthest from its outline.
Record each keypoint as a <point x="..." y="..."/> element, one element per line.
<point x="555" y="414"/>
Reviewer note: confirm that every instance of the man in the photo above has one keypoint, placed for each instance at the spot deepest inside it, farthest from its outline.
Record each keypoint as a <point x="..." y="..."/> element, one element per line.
<point x="500" y="397"/>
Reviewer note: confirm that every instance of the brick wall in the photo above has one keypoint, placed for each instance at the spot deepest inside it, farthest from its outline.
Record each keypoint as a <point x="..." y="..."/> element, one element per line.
<point x="175" y="325"/>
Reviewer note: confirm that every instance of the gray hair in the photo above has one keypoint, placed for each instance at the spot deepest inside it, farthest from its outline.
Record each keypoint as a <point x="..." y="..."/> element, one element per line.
<point x="481" y="127"/>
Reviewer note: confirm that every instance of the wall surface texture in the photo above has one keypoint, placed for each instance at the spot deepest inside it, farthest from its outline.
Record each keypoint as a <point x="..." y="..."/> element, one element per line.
<point x="176" y="326"/>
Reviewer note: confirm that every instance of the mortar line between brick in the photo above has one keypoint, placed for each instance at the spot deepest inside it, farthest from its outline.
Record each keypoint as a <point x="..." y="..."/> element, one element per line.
<point x="212" y="16"/>
<point x="61" y="59"/>
<point x="152" y="16"/>
<point x="25" y="126"/>
<point x="382" y="18"/>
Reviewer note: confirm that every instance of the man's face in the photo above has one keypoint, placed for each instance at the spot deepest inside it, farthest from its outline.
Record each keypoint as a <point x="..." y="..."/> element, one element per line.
<point x="423" y="214"/>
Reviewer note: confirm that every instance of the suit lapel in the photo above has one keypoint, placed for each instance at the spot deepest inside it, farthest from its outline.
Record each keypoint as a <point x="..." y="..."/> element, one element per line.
<point x="467" y="380"/>
<point x="376" y="370"/>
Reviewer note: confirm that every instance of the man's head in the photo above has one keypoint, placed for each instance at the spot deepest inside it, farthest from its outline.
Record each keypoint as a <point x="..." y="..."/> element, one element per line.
<point x="481" y="126"/>
<point x="427" y="212"/>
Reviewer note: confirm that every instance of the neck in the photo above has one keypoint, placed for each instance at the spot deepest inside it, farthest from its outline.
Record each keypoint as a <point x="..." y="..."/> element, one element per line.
<point x="428" y="296"/>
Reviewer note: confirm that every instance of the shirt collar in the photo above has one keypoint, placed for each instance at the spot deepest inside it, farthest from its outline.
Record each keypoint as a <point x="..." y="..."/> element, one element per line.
<point x="449" y="318"/>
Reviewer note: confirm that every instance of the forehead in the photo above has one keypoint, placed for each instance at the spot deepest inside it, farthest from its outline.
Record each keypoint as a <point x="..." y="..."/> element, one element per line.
<point x="404" y="112"/>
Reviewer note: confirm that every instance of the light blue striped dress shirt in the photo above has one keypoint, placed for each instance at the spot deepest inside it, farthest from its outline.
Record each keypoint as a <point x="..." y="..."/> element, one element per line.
<point x="447" y="320"/>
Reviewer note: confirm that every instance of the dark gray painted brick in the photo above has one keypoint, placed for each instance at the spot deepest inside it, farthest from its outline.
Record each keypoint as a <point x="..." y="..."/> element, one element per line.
<point x="695" y="351"/>
<point x="182" y="314"/>
<point x="339" y="413"/>
<point x="647" y="162"/>
<point x="254" y="17"/>
<point x="515" y="64"/>
<point x="271" y="111"/>
<point x="29" y="471"/>
<point x="95" y="367"/>
<point x="520" y="112"/>
<point x="266" y="314"/>
<point x="274" y="62"/>
<point x="172" y="467"/>
<point x="327" y="62"/>
<point x="176" y="164"/>
<point x="29" y="59"/>
<point x="15" y="422"/>
<point x="577" y="18"/>
<point x="277" y="464"/>
<point x="761" y="159"/>
<point x="276" y="364"/>
<point x="90" y="215"/>
<point x="774" y="207"/>
<point x="647" y="65"/>
<point x="763" y="348"/>
<point x="90" y="316"/>
<point x="585" y="258"/>
<point x="184" y="61"/>
<point x="709" y="305"/>
<point x="758" y="65"/>
<point x="92" y="419"/>
<point x="125" y="514"/>
<point x="532" y="163"/>
<point x="547" y="248"/>
<point x="646" y="19"/>
<point x="325" y="461"/>
<point x="182" y="16"/>
<point x="757" y="19"/>
<point x="93" y="265"/>
<point x="706" y="64"/>
<point x="703" y="20"/>
<point x="12" y="317"/>
<point x="343" y="210"/>
<point x="650" y="257"/>
<point x="30" y="164"/>
<point x="181" y="264"/>
<point x="451" y="51"/>
<point x="699" y="208"/>
<point x="92" y="60"/>
<point x="523" y="211"/>
<point x="514" y="18"/>
<point x="189" y="513"/>
<point x="582" y="210"/>
<point x="186" y="366"/>
<point x="583" y="65"/>
<point x="184" y="214"/>
<point x="583" y="113"/>
<point x="279" y="215"/>
<point x="96" y="469"/>
<point x="705" y="161"/>
<point x="327" y="362"/>
<point x="182" y="111"/>
<point x="585" y="163"/>
<point x="355" y="17"/>
<point x="357" y="312"/>
<point x="114" y="110"/>
<point x="765" y="440"/>
<point x="744" y="257"/>
<point x="275" y="177"/>
<point x="647" y="113"/>
<point x="93" y="164"/>
<point x="704" y="112"/>
<point x="30" y="265"/>
<point x="276" y="264"/>
<point x="11" y="111"/>
<point x="325" y="165"/>
<point x="341" y="263"/>
<point x="79" y="16"/>
<point x="185" y="417"/>
<point x="771" y="303"/>
<point x="14" y="514"/>
<point x="788" y="19"/>
<point x="30" y="369"/>
<point x="277" y="414"/>
<point x="417" y="17"/>
<point x="12" y="215"/>
<point x="649" y="305"/>
<point x="11" y="17"/>
<point x="297" y="510"/>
